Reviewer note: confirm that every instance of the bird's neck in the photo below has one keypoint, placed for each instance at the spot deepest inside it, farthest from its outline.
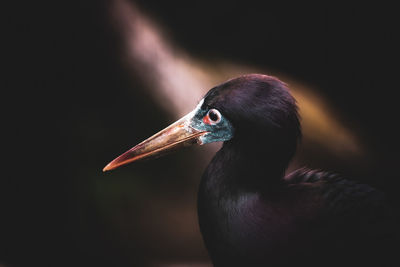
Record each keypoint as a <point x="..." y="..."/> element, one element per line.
<point x="246" y="167"/>
<point x="238" y="180"/>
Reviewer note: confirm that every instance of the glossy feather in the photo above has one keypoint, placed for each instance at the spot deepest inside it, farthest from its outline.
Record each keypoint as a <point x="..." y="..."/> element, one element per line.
<point x="250" y="214"/>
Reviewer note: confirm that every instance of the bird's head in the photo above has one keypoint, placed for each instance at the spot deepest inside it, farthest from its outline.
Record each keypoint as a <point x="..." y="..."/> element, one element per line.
<point x="252" y="110"/>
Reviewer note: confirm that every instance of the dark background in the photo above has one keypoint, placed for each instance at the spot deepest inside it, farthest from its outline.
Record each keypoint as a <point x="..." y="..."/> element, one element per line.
<point x="66" y="113"/>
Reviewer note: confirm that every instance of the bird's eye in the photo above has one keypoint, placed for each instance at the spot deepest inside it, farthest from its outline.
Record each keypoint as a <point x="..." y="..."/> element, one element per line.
<point x="213" y="116"/>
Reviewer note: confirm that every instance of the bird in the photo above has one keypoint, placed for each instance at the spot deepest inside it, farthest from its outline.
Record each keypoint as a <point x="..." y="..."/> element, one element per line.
<point x="250" y="213"/>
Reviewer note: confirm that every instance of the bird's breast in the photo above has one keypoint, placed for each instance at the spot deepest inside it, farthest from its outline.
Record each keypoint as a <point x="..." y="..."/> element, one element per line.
<point x="242" y="226"/>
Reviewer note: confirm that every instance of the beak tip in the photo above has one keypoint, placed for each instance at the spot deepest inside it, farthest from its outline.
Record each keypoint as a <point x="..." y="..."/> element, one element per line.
<point x="107" y="168"/>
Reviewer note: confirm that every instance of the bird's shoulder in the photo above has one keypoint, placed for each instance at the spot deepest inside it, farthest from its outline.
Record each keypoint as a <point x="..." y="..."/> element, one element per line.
<point x="350" y="211"/>
<point x="307" y="175"/>
<point x="337" y="191"/>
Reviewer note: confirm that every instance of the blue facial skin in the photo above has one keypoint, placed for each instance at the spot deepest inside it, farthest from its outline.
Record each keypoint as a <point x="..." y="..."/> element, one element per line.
<point x="218" y="132"/>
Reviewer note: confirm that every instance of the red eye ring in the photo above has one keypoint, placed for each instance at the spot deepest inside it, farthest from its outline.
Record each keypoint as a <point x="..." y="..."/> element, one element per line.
<point x="212" y="117"/>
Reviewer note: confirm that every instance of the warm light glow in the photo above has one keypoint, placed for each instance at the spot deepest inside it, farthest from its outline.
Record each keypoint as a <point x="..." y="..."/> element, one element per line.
<point x="179" y="81"/>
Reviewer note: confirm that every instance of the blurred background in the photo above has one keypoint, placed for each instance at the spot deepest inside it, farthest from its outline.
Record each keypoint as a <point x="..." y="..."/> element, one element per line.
<point x="87" y="80"/>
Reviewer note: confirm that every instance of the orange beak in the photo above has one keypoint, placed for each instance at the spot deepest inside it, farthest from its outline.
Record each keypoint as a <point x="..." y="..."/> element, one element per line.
<point x="178" y="134"/>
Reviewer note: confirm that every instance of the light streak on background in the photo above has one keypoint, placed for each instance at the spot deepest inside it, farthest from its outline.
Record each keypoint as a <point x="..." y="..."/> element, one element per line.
<point x="177" y="81"/>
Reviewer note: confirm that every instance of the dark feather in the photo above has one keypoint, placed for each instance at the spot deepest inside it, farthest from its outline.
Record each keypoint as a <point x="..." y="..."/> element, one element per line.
<point x="251" y="215"/>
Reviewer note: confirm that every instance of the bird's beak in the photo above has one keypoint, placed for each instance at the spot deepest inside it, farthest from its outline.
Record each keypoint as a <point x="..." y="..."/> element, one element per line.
<point x="176" y="135"/>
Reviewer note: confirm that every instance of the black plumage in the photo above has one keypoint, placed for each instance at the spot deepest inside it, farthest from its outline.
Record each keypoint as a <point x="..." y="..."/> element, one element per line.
<point x="250" y="213"/>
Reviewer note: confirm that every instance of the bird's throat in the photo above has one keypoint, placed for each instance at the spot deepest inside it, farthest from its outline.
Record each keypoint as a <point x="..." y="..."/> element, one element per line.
<point x="234" y="183"/>
<point x="248" y="167"/>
